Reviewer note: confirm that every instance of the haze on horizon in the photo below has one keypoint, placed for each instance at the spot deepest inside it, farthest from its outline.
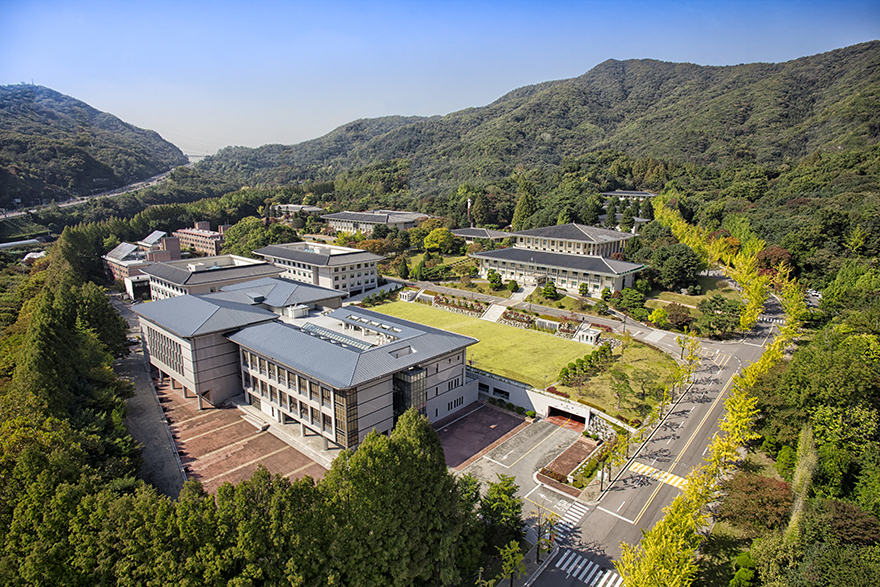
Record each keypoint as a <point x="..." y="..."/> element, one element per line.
<point x="206" y="75"/>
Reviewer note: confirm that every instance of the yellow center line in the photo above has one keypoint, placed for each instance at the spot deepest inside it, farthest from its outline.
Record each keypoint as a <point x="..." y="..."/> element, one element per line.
<point x="693" y="436"/>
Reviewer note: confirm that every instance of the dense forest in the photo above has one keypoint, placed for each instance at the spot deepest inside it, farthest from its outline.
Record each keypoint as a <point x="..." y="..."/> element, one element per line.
<point x="767" y="114"/>
<point x="53" y="147"/>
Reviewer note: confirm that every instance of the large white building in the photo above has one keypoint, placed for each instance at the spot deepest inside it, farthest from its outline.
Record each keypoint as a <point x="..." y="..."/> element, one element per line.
<point x="339" y="374"/>
<point x="568" y="254"/>
<point x="338" y="268"/>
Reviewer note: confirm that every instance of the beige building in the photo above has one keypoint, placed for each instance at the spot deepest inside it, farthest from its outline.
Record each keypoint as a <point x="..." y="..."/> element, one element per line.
<point x="339" y="374"/>
<point x="203" y="275"/>
<point x="338" y="268"/>
<point x="568" y="254"/>
<point x="365" y="222"/>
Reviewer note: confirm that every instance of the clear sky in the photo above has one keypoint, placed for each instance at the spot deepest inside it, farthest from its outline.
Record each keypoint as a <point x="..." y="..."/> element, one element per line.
<point x="207" y="74"/>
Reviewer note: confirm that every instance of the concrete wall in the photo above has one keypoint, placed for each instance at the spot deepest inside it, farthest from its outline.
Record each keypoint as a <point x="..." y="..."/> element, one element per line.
<point x="375" y="407"/>
<point x="218" y="374"/>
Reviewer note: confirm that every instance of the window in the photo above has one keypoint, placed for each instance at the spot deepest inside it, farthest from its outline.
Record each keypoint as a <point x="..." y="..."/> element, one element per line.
<point x="273" y="394"/>
<point x="325" y="396"/>
<point x="273" y="375"/>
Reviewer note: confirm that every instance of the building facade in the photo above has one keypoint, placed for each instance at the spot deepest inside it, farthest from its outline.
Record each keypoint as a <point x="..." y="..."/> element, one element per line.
<point x="201" y="238"/>
<point x="339" y="268"/>
<point x="365" y="222"/>
<point x="204" y="275"/>
<point x="569" y="255"/>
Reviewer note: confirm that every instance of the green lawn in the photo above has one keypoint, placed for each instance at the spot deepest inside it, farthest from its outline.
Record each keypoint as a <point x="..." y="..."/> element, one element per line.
<point x="447" y="259"/>
<point x="477" y="287"/>
<point x="525" y="355"/>
<point x="564" y="303"/>
<point x="710" y="285"/>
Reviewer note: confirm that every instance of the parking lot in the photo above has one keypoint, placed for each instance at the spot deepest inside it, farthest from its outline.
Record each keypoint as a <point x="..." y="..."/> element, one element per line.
<point x="473" y="430"/>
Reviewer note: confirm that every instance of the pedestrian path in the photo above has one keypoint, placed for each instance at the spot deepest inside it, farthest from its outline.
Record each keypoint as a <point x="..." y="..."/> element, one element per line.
<point x="590" y="572"/>
<point x="494" y="312"/>
<point x="571" y="518"/>
<point x="657" y="474"/>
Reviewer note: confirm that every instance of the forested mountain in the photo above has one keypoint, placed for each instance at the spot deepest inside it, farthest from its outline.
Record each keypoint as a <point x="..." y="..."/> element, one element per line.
<point x="53" y="146"/>
<point x="718" y="116"/>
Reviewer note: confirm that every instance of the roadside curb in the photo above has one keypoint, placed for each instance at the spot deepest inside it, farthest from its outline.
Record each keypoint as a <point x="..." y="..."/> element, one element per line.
<point x="543" y="566"/>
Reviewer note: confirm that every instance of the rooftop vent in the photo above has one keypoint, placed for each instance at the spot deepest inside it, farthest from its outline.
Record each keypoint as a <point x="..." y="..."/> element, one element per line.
<point x="256" y="298"/>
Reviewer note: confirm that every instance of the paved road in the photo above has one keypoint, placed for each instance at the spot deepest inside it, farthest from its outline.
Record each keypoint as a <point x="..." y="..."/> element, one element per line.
<point x="637" y="497"/>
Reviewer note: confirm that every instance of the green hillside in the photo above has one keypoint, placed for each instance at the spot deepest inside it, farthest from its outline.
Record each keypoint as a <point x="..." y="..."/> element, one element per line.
<point x="717" y="116"/>
<point x="53" y="146"/>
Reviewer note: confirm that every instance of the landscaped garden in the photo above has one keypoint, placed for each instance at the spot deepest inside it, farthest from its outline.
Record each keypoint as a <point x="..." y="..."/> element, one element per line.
<point x="708" y="287"/>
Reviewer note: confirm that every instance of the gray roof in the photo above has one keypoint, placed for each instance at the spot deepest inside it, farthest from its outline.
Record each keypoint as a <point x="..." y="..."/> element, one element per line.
<point x="323" y="259"/>
<point x="376" y="216"/>
<point x="585" y="263"/>
<point x="277" y="292"/>
<point x="188" y="316"/>
<point x="629" y="194"/>
<point x="122" y="251"/>
<point x="154" y="237"/>
<point x="576" y="232"/>
<point x="181" y="276"/>
<point x="479" y="233"/>
<point x="342" y="366"/>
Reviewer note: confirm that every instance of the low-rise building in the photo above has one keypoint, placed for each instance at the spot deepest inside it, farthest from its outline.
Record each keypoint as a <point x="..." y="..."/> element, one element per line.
<point x="201" y="238"/>
<point x="204" y="274"/>
<point x="365" y="222"/>
<point x="471" y="235"/>
<point x="338" y="268"/>
<point x="339" y="375"/>
<point x="568" y="254"/>
<point x="629" y="195"/>
<point x="294" y="208"/>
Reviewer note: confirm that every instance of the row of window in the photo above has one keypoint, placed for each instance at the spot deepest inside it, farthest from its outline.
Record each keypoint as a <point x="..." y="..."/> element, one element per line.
<point x="353" y="267"/>
<point x="286" y="379"/>
<point x="584" y="277"/>
<point x="455" y="404"/>
<point x="165" y="349"/>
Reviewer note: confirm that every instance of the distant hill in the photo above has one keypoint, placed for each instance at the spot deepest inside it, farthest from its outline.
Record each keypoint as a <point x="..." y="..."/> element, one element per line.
<point x="53" y="146"/>
<point x="718" y="116"/>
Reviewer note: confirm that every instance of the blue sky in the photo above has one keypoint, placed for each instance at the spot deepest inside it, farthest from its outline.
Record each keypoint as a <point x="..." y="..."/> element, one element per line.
<point x="210" y="74"/>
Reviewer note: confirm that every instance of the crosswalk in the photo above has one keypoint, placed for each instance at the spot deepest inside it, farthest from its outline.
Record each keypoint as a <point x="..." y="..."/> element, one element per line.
<point x="583" y="569"/>
<point x="773" y="320"/>
<point x="653" y="473"/>
<point x="572" y="516"/>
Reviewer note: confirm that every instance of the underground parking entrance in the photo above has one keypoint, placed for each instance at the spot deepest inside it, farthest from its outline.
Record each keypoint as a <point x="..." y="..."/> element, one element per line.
<point x="566" y="419"/>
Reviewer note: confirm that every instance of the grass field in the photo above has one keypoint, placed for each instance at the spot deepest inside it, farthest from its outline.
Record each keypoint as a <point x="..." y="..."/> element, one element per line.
<point x="19" y="228"/>
<point x="564" y="303"/>
<point x="536" y="358"/>
<point x="478" y="287"/>
<point x="525" y="355"/>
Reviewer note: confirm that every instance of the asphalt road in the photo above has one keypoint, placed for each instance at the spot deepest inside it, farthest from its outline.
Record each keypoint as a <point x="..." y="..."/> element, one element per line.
<point x="636" y="499"/>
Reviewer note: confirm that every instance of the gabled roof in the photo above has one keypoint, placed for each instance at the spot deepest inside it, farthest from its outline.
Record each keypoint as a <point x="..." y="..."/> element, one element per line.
<point x="277" y="292"/>
<point x="479" y="233"/>
<point x="312" y="258"/>
<point x="358" y="217"/>
<point x="576" y="232"/>
<point x="188" y="316"/>
<point x="122" y="251"/>
<point x="342" y="366"/>
<point x="584" y="263"/>
<point x="179" y="276"/>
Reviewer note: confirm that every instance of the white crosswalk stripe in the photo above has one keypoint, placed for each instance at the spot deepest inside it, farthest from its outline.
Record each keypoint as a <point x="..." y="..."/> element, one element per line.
<point x="583" y="569"/>
<point x="572" y="516"/>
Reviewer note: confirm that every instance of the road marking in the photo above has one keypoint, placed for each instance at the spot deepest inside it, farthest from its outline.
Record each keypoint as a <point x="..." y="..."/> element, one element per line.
<point x="686" y="446"/>
<point x="615" y="515"/>
<point x="657" y="474"/>
<point x="556" y="429"/>
<point x="620" y="506"/>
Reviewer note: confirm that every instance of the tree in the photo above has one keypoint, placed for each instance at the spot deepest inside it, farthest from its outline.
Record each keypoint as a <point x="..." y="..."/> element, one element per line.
<point x="659" y="317"/>
<point x="512" y="561"/>
<point x="525" y="208"/>
<point x="720" y="315"/>
<point x="755" y="503"/>
<point x="611" y="216"/>
<point x="620" y="386"/>
<point x="512" y="285"/>
<point x="678" y="315"/>
<point x="494" y="280"/>
<point x="480" y="209"/>
<point x="501" y="510"/>
<point x="584" y="289"/>
<point x="627" y="222"/>
<point x="439" y="239"/>
<point x="380" y="231"/>
<point x="549" y="291"/>
<point x="403" y="268"/>
<point x="646" y="210"/>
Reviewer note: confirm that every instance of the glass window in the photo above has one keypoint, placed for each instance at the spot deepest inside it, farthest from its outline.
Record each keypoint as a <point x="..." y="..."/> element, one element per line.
<point x="272" y="372"/>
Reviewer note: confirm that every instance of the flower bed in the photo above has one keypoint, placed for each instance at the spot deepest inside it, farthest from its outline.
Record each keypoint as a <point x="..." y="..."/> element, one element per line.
<point x="460" y="306"/>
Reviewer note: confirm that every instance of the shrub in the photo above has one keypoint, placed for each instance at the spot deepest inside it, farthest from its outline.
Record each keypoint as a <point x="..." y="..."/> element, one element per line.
<point x="520" y="410"/>
<point x="554" y="475"/>
<point x="509" y="406"/>
<point x="531" y="413"/>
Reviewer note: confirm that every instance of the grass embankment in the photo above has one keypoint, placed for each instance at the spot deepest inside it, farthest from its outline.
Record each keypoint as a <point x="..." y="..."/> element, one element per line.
<point x="709" y="287"/>
<point x="566" y="303"/>
<point x="477" y="287"/>
<point x="646" y="369"/>
<point x="19" y="228"/>
<point x="536" y="358"/>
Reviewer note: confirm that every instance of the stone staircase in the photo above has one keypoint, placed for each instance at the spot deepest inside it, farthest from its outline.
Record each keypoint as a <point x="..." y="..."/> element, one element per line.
<point x="493" y="313"/>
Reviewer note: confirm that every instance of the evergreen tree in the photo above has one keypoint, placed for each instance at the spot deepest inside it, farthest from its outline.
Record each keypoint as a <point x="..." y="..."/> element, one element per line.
<point x="611" y="217"/>
<point x="647" y="209"/>
<point x="480" y="209"/>
<point x="525" y="208"/>
<point x="403" y="268"/>
<point x="627" y="222"/>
